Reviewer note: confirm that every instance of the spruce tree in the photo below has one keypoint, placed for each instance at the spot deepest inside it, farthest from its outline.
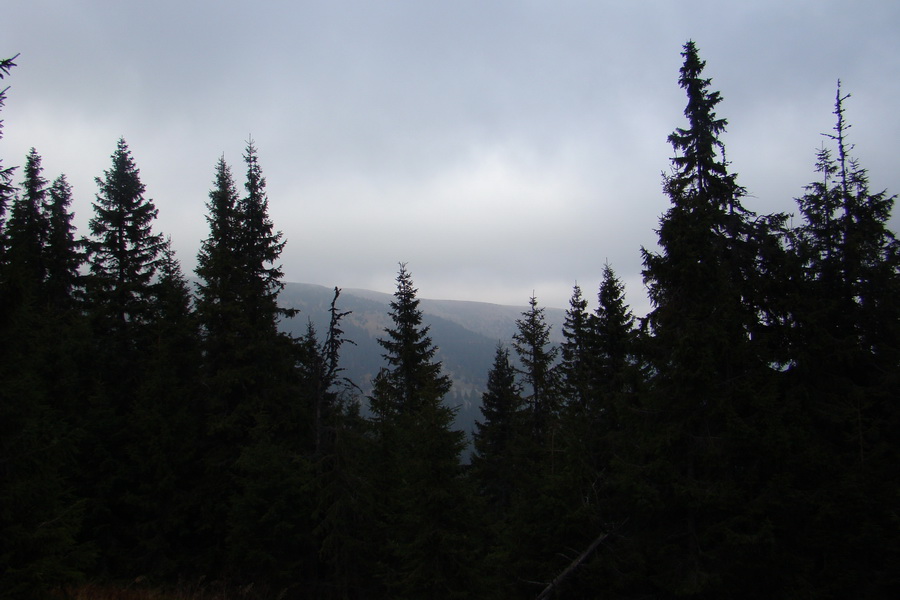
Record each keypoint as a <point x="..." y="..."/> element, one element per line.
<point x="260" y="245"/>
<point x="614" y="341"/>
<point x="412" y="378"/>
<point x="39" y="516"/>
<point x="22" y="270"/>
<point x="257" y="422"/>
<point x="238" y="293"/>
<point x="537" y="358"/>
<point x="219" y="312"/>
<point x="27" y="229"/>
<point x="593" y="428"/>
<point x="846" y="351"/>
<point x="219" y="270"/>
<point x="705" y="456"/>
<point x="535" y="531"/>
<point x="61" y="303"/>
<point x="6" y="173"/>
<point x="597" y="435"/>
<point x="122" y="255"/>
<point x="423" y="503"/>
<point x="498" y="440"/>
<point x="575" y="367"/>
<point x="500" y="468"/>
<point x="62" y="251"/>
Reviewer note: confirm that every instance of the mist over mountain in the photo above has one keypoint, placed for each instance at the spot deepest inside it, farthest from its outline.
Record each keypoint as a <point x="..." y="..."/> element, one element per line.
<point x="466" y="334"/>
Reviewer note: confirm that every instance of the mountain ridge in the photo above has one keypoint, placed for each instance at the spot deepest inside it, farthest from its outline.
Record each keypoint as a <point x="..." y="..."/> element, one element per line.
<point x="466" y="334"/>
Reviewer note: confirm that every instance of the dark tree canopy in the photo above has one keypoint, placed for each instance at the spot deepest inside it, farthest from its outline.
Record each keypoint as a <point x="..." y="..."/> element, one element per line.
<point x="188" y="439"/>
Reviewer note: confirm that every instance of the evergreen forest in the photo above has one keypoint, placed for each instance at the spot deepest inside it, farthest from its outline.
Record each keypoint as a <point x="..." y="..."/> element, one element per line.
<point x="160" y="431"/>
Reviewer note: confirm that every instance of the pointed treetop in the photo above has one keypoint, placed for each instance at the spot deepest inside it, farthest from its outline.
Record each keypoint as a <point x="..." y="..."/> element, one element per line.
<point x="839" y="136"/>
<point x="412" y="379"/>
<point x="6" y="174"/>
<point x="256" y="183"/>
<point x="699" y="160"/>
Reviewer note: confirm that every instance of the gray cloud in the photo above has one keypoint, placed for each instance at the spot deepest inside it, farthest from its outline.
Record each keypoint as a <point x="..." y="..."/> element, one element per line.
<point x="498" y="147"/>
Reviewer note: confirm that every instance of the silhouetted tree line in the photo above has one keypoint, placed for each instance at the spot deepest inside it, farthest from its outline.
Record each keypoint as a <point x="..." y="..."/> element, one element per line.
<point x="739" y="441"/>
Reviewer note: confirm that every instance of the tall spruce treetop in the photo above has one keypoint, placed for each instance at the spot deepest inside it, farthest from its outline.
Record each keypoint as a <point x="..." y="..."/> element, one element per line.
<point x="43" y="257"/>
<point x="236" y="264"/>
<point x="412" y="378"/>
<point x="40" y="518"/>
<point x="576" y="367"/>
<point x="537" y="357"/>
<point x="846" y="368"/>
<point x="422" y="503"/>
<point x="847" y="249"/>
<point x="706" y="280"/>
<point x="260" y="244"/>
<point x="123" y="250"/>
<point x="62" y="253"/>
<point x="239" y="280"/>
<point x="27" y="229"/>
<point x="219" y="265"/>
<point x="702" y="425"/>
<point x="237" y="301"/>
<point x="250" y="376"/>
<point x="495" y="438"/>
<point x="613" y="334"/>
<point x="6" y="173"/>
<point x="700" y="169"/>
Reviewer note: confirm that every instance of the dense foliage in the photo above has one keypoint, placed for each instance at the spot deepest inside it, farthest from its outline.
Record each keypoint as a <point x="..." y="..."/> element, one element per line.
<point x="740" y="440"/>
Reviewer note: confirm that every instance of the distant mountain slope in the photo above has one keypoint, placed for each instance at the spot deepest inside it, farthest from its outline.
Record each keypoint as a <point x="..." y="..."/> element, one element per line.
<point x="466" y="334"/>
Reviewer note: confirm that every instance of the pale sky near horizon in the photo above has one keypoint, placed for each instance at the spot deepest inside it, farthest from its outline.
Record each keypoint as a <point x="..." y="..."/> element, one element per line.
<point x="499" y="148"/>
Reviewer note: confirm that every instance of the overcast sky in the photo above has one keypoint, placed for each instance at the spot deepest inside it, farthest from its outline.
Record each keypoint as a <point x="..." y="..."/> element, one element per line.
<point x="499" y="148"/>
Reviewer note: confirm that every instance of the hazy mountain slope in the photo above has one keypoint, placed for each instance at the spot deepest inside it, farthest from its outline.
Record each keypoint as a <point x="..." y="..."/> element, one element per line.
<point x="466" y="334"/>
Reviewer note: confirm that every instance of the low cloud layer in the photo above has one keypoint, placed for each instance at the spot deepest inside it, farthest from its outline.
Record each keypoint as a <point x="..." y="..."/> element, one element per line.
<point x="500" y="148"/>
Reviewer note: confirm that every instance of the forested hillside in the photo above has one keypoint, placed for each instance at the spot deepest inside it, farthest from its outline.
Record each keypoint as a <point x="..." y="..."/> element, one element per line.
<point x="466" y="335"/>
<point x="202" y="435"/>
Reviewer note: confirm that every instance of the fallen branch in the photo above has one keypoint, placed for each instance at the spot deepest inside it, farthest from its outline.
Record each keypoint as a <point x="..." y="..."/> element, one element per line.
<point x="581" y="558"/>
